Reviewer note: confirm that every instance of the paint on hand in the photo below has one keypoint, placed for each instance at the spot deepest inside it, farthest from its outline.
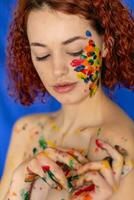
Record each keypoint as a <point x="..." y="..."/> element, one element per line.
<point x="88" y="65"/>
<point x="106" y="164"/>
<point x="24" y="194"/>
<point x="121" y="150"/>
<point x="71" y="164"/>
<point x="87" y="197"/>
<point x="85" y="189"/>
<point x="99" y="144"/>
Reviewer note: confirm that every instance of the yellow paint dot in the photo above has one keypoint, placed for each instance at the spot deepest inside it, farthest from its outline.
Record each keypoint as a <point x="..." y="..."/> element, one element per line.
<point x="106" y="164"/>
<point x="51" y="144"/>
<point x="46" y="154"/>
<point x="81" y="75"/>
<point x="54" y="127"/>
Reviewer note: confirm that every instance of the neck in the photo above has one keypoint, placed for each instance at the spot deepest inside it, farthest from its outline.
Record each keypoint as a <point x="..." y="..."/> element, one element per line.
<point x="88" y="112"/>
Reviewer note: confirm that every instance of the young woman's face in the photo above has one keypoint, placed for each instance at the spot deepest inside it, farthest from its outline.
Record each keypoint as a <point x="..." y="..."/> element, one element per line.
<point x="65" y="49"/>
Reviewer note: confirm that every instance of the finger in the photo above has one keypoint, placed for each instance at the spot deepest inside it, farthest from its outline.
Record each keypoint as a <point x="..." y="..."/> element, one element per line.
<point x="128" y="163"/>
<point x="40" y="190"/>
<point x="90" y="182"/>
<point x="53" y="171"/>
<point x="61" y="156"/>
<point x="104" y="168"/>
<point x="83" y="196"/>
<point x="117" y="163"/>
<point x="76" y="154"/>
<point x="35" y="171"/>
<point x="127" y="167"/>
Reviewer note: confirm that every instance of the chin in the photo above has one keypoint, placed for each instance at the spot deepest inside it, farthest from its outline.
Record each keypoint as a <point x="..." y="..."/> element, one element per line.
<point x="70" y="100"/>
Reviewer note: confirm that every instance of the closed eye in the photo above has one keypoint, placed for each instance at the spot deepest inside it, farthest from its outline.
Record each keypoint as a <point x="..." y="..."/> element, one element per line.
<point x="72" y="54"/>
<point x="76" y="53"/>
<point x="42" y="58"/>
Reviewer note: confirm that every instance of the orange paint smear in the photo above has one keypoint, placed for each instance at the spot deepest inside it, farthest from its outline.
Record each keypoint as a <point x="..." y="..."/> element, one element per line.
<point x="87" y="197"/>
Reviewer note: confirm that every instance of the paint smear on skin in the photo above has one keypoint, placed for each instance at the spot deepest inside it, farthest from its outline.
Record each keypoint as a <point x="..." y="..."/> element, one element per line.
<point x="99" y="144"/>
<point x="88" y="65"/>
<point x="85" y="189"/>
<point x="24" y="194"/>
<point x="87" y="197"/>
<point x="106" y="164"/>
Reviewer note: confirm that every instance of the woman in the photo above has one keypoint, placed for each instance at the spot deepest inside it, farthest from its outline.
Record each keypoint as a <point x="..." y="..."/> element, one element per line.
<point x="71" y="49"/>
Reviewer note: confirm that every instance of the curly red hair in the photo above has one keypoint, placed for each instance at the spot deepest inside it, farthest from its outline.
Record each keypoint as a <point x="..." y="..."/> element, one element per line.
<point x="111" y="18"/>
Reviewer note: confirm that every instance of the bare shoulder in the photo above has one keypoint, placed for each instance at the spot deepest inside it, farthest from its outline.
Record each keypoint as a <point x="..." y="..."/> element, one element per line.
<point x="19" y="139"/>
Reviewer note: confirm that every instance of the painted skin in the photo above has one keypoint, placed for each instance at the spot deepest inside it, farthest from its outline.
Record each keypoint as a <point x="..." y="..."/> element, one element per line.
<point x="88" y="66"/>
<point x="112" y="172"/>
<point x="88" y="182"/>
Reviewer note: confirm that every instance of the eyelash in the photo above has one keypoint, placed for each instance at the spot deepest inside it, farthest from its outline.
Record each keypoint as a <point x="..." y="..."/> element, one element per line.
<point x="72" y="54"/>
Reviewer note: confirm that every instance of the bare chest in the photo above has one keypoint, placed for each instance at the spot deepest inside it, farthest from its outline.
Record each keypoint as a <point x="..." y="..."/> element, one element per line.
<point x="40" y="137"/>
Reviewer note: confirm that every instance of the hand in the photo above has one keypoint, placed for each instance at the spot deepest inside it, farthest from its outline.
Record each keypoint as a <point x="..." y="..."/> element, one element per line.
<point x="100" y="185"/>
<point x="51" y="165"/>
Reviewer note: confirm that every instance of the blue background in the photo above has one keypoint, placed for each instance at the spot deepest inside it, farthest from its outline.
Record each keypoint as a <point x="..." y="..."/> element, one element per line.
<point x="11" y="111"/>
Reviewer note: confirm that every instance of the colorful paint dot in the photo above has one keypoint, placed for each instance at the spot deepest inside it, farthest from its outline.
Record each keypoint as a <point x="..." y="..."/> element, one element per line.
<point x="42" y="143"/>
<point x="88" y="34"/>
<point x="71" y="163"/>
<point x="98" y="132"/>
<point x="35" y="150"/>
<point x="24" y="194"/>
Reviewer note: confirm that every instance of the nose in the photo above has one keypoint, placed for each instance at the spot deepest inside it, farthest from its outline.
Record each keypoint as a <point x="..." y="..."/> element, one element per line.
<point x="60" y="66"/>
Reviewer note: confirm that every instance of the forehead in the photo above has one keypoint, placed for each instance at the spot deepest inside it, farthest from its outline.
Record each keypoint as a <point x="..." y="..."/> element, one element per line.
<point x="47" y="24"/>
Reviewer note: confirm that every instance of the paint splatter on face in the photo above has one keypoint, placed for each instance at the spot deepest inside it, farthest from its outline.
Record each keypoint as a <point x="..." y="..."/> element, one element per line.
<point x="88" y="65"/>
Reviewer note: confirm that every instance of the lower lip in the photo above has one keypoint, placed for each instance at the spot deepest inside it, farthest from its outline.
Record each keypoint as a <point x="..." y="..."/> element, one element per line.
<point x="65" y="89"/>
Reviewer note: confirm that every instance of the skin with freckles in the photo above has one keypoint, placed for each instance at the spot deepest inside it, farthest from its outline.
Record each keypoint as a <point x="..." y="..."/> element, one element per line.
<point x="59" y="40"/>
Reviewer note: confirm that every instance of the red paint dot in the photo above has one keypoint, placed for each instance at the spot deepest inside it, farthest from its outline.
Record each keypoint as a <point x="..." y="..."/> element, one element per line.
<point x="99" y="143"/>
<point x="46" y="168"/>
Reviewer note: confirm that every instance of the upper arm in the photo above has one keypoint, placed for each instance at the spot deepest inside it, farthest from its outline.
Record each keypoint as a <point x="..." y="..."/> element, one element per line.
<point x="15" y="152"/>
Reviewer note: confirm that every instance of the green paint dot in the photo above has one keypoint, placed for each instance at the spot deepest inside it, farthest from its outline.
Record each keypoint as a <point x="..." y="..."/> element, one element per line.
<point x="24" y="194"/>
<point x="35" y="150"/>
<point x="83" y="56"/>
<point x="71" y="163"/>
<point x="43" y="143"/>
<point x="70" y="186"/>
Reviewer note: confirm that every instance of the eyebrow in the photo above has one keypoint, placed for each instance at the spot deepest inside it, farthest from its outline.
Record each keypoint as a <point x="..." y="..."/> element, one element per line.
<point x="70" y="40"/>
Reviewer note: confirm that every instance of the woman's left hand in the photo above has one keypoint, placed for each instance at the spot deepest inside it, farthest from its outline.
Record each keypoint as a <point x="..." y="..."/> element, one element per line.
<point x="100" y="179"/>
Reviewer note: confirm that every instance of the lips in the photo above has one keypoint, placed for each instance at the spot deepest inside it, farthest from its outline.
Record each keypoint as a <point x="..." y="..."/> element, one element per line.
<point x="63" y="84"/>
<point x="64" y="87"/>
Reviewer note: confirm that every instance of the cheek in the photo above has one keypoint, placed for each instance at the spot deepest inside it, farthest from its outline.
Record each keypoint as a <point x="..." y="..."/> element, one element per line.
<point x="88" y="66"/>
<point x="89" y="63"/>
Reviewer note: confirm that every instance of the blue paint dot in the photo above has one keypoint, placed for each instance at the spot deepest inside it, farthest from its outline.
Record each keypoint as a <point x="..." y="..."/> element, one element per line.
<point x="88" y="34"/>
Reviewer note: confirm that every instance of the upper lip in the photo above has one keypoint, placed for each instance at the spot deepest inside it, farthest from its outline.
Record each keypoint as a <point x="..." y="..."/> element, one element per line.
<point x="64" y="83"/>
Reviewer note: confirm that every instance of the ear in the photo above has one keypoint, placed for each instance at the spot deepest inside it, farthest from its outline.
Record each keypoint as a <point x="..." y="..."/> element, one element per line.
<point x="104" y="50"/>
